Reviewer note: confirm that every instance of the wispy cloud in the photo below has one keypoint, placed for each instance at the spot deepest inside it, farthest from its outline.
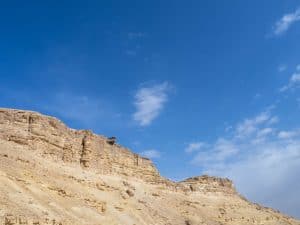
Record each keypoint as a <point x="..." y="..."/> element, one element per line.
<point x="135" y="35"/>
<point x="294" y="81"/>
<point x="194" y="146"/>
<point x="149" y="102"/>
<point x="250" y="131"/>
<point x="253" y="154"/>
<point x="286" y="22"/>
<point x="131" y="52"/>
<point x="288" y="134"/>
<point x="134" y="43"/>
<point x="151" y="154"/>
<point x="219" y="152"/>
<point x="272" y="165"/>
<point x="282" y="68"/>
<point x="249" y="126"/>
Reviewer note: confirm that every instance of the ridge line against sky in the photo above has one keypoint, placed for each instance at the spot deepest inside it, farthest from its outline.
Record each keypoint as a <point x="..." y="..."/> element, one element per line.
<point x="198" y="87"/>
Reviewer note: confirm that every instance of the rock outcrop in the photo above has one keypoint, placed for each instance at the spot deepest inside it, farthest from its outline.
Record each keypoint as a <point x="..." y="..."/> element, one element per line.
<point x="51" y="174"/>
<point x="50" y="138"/>
<point x="210" y="184"/>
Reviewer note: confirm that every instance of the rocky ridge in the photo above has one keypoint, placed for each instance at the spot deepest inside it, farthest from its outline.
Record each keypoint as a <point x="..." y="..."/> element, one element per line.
<point x="50" y="138"/>
<point x="51" y="174"/>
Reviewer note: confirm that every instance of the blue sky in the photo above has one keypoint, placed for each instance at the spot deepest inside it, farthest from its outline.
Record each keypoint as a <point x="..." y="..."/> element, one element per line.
<point x="198" y="86"/>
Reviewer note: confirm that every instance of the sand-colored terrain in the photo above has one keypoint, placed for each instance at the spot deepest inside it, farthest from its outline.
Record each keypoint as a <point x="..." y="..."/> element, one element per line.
<point x="51" y="174"/>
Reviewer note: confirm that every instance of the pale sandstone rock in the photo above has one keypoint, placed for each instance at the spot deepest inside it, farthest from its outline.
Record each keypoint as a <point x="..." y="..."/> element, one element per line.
<point x="51" y="174"/>
<point x="50" y="138"/>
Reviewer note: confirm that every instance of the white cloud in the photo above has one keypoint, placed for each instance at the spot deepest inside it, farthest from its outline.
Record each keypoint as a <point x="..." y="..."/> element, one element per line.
<point x="151" y="154"/>
<point x="224" y="149"/>
<point x="219" y="152"/>
<point x="287" y="134"/>
<point x="282" y="68"/>
<point x="298" y="67"/>
<point x="249" y="126"/>
<point x="258" y="158"/>
<point x="295" y="78"/>
<point x="264" y="132"/>
<point x="286" y="22"/>
<point x="273" y="120"/>
<point x="284" y="88"/>
<point x="149" y="102"/>
<point x="269" y="175"/>
<point x="294" y="82"/>
<point x="194" y="146"/>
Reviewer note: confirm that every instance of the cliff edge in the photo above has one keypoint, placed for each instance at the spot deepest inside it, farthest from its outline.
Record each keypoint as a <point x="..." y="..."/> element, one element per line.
<point x="51" y="174"/>
<point x="49" y="138"/>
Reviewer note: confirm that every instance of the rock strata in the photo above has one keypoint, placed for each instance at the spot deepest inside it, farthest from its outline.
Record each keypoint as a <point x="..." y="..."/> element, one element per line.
<point x="210" y="184"/>
<point x="51" y="174"/>
<point x="51" y="138"/>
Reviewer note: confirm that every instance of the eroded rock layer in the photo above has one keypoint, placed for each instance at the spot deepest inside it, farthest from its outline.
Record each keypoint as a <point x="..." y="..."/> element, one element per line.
<point x="51" y="174"/>
<point x="50" y="138"/>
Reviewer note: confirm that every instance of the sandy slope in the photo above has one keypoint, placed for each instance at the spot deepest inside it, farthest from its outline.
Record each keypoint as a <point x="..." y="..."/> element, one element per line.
<point x="35" y="189"/>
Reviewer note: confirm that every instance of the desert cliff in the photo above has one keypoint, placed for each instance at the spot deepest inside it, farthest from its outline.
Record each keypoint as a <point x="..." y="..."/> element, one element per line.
<point x="51" y="174"/>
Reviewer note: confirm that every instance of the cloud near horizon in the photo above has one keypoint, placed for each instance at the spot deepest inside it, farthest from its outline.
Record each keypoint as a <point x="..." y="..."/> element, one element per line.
<point x="149" y="102"/>
<point x="262" y="160"/>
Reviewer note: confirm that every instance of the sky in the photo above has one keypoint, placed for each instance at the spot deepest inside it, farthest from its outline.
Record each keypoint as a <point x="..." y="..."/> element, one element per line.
<point x="200" y="87"/>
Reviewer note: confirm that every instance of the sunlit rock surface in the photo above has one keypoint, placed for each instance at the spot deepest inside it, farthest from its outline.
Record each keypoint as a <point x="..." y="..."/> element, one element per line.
<point x="51" y="174"/>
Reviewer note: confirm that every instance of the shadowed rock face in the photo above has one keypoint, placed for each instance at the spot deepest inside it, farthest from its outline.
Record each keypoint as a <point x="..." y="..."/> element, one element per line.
<point x="51" y="174"/>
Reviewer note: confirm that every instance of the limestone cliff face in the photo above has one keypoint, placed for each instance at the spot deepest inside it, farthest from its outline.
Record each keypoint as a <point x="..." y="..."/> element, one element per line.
<point x="53" y="175"/>
<point x="50" y="138"/>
